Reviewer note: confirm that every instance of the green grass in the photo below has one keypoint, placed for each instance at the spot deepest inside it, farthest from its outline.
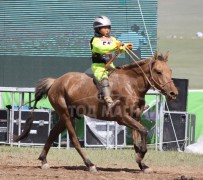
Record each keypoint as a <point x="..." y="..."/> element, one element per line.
<point x="105" y="157"/>
<point x="182" y="18"/>
<point x="185" y="59"/>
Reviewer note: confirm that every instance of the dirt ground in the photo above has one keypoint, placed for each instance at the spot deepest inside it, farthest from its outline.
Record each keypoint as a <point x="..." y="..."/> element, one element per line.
<point x="14" y="168"/>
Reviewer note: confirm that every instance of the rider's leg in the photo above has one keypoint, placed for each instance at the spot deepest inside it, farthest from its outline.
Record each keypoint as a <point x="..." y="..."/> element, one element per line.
<point x="107" y="94"/>
<point x="101" y="74"/>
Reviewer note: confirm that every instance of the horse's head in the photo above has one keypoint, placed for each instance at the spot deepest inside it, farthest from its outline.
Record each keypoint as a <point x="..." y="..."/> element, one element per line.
<point x="161" y="76"/>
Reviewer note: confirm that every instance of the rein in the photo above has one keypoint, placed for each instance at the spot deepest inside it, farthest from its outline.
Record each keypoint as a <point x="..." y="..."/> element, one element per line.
<point x="128" y="52"/>
<point x="150" y="69"/>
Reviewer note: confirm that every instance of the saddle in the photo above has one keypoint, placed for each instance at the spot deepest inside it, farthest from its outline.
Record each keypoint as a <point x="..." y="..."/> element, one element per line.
<point x="98" y="86"/>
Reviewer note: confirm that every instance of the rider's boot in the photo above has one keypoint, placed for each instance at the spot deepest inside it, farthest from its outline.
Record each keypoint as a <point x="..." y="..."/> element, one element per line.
<point x="106" y="91"/>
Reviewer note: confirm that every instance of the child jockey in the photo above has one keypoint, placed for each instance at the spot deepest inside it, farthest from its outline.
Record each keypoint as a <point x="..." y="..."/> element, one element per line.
<point x="102" y="47"/>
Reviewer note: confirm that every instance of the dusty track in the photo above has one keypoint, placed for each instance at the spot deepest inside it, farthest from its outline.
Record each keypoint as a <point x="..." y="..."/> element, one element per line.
<point x="14" y="168"/>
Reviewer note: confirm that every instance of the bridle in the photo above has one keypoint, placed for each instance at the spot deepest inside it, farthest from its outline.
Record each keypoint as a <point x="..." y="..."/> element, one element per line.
<point x="153" y="83"/>
<point x="161" y="86"/>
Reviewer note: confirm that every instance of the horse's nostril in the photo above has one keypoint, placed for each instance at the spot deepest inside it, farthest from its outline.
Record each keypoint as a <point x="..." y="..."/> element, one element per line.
<point x="172" y="93"/>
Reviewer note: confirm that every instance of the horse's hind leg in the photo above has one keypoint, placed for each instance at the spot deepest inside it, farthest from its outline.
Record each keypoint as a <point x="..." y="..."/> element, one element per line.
<point x="69" y="124"/>
<point x="57" y="129"/>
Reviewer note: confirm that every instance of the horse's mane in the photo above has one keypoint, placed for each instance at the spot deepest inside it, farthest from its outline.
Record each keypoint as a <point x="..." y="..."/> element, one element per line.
<point x="134" y="64"/>
<point x="140" y="62"/>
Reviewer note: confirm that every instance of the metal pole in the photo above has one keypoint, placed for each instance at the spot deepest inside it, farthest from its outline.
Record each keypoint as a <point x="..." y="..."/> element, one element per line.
<point x="107" y="135"/>
<point x="116" y="135"/>
<point x="59" y="141"/>
<point x="67" y="140"/>
<point x="125" y="135"/>
<point x="145" y="27"/>
<point x="157" y="119"/>
<point x="161" y="119"/>
<point x="186" y="130"/>
<point x="12" y="120"/>
<point x="29" y="99"/>
<point x="19" y="116"/>
<point x="85" y="132"/>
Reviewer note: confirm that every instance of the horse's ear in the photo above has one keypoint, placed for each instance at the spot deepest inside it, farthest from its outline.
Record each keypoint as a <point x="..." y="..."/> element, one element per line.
<point x="166" y="56"/>
<point x="155" y="55"/>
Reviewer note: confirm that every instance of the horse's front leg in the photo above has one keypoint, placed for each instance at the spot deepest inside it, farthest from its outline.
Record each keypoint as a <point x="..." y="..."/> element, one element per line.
<point x="140" y="144"/>
<point x="139" y="139"/>
<point x="140" y="150"/>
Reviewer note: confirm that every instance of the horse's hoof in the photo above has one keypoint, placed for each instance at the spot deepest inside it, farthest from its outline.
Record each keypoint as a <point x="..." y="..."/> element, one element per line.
<point x="92" y="169"/>
<point x="148" y="170"/>
<point x="45" y="166"/>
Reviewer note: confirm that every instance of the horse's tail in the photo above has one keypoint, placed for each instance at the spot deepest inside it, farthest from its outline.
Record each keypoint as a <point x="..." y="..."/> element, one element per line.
<point x="41" y="91"/>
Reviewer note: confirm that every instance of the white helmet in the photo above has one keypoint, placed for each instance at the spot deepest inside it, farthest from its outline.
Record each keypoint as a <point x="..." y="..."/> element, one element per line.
<point x="101" y="21"/>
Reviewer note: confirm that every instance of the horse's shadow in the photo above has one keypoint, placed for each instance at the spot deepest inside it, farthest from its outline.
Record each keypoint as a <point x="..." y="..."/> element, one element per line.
<point x="83" y="168"/>
<point x="106" y="169"/>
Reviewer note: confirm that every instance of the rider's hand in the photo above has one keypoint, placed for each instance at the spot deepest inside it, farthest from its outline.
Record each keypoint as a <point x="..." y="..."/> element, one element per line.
<point x="129" y="45"/>
<point x="119" y="44"/>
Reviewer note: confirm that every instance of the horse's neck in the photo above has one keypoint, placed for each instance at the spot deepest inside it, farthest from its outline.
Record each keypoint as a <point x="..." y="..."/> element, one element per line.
<point x="143" y="75"/>
<point x="137" y="76"/>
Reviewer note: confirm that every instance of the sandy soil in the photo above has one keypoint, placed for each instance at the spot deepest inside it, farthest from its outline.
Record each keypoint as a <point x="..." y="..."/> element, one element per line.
<point x="14" y="168"/>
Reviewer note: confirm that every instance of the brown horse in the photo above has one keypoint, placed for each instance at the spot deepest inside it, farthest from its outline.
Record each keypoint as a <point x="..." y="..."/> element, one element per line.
<point x="75" y="93"/>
